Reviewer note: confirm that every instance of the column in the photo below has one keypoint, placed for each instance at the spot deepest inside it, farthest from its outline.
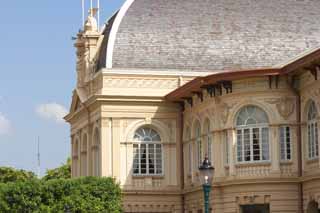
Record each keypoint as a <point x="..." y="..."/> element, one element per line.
<point x="232" y="151"/>
<point x="318" y="125"/>
<point x="275" y="149"/>
<point x="115" y="147"/>
<point x="218" y="154"/>
<point x="304" y="145"/>
<point x="89" y="151"/>
<point x="72" y="160"/>
<point x="106" y="161"/>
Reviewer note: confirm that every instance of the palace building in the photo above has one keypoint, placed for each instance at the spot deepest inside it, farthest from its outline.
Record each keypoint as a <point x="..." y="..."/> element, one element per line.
<point x="167" y="82"/>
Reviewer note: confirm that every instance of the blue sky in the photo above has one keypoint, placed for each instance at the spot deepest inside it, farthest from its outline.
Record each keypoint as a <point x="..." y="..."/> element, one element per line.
<point x="37" y="67"/>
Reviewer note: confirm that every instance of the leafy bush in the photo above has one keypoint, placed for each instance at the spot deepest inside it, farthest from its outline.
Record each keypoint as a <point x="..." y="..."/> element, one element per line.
<point x="63" y="172"/>
<point x="87" y="194"/>
<point x="8" y="174"/>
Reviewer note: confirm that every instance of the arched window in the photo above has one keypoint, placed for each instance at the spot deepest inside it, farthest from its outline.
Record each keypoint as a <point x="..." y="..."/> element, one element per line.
<point x="75" y="158"/>
<point x="313" y="146"/>
<point x="252" y="135"/>
<point x="198" y="143"/>
<point x="83" y="156"/>
<point x="96" y="152"/>
<point x="208" y="139"/>
<point x="147" y="152"/>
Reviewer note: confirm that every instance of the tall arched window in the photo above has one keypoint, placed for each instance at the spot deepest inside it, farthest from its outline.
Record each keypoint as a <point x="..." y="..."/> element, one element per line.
<point x="96" y="153"/>
<point x="147" y="152"/>
<point x="198" y="143"/>
<point x="252" y="135"/>
<point x="83" y="156"/>
<point x="313" y="144"/>
<point x="208" y="139"/>
<point x="75" y="158"/>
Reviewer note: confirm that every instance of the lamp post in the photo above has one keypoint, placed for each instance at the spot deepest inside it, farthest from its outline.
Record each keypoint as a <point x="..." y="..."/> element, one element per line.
<point x="206" y="174"/>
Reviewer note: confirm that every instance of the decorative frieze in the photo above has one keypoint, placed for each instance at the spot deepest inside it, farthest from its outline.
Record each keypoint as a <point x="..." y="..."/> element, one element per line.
<point x="249" y="170"/>
<point x="285" y="105"/>
<point x="141" y="83"/>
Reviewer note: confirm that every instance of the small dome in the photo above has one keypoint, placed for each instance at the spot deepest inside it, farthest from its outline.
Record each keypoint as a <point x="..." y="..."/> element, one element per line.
<point x="210" y="35"/>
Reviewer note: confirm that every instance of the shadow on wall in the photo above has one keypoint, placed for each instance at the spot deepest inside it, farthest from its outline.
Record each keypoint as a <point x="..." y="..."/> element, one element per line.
<point x="313" y="207"/>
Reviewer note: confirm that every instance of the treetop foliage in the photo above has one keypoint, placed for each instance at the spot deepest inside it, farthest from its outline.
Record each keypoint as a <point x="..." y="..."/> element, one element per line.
<point x="22" y="191"/>
<point x="8" y="174"/>
<point x="62" y="172"/>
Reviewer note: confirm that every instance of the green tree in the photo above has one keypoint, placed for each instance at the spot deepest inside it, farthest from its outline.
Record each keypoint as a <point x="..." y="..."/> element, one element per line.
<point x="8" y="174"/>
<point x="87" y="194"/>
<point x="62" y="172"/>
<point x="21" y="196"/>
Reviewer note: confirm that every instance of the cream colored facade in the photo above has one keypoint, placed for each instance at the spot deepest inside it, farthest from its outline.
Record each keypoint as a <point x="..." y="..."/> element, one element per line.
<point x="110" y="105"/>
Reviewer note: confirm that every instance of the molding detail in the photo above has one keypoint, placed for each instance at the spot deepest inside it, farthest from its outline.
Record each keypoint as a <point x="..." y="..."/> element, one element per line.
<point x="141" y="83"/>
<point x="225" y="111"/>
<point x="286" y="107"/>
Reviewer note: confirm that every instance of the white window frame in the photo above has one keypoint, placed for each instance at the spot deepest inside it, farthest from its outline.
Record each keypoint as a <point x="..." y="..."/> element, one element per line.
<point x="284" y="139"/>
<point x="199" y="145"/>
<point x="313" y="133"/>
<point x="313" y="143"/>
<point x="260" y="127"/>
<point x="138" y="153"/>
<point x="209" y="143"/>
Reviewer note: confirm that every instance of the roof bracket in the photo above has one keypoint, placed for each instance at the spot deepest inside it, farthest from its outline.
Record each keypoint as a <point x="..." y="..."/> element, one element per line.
<point x="189" y="100"/>
<point x="227" y="86"/>
<point x="210" y="89"/>
<point x="274" y="79"/>
<point x="199" y="95"/>
<point x="219" y="88"/>
<point x="314" y="71"/>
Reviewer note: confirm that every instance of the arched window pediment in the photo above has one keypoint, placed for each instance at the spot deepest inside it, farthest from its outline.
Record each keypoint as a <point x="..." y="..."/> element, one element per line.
<point x="251" y="115"/>
<point x="146" y="134"/>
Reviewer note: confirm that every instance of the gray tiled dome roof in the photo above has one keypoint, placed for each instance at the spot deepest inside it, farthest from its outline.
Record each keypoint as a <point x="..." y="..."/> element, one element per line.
<point x="209" y="35"/>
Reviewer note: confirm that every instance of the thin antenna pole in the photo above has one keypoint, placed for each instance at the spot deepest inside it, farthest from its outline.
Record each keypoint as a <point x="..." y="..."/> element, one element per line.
<point x="82" y="13"/>
<point x="91" y="6"/>
<point x="98" y="15"/>
<point x="38" y="156"/>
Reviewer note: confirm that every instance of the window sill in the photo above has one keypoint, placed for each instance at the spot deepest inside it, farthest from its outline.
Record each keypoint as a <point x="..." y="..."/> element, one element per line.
<point x="148" y="176"/>
<point x="313" y="160"/>
<point x="286" y="162"/>
<point x="262" y="163"/>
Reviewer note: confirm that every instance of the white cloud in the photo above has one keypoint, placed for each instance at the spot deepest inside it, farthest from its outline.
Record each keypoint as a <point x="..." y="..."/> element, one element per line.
<point x="52" y="111"/>
<point x="5" y="125"/>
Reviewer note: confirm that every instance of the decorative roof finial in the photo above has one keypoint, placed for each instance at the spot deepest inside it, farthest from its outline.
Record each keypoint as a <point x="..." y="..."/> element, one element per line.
<point x="91" y="22"/>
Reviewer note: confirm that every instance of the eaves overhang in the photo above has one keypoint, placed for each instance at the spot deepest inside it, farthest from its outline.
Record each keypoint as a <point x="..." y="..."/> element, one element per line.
<point x="196" y="85"/>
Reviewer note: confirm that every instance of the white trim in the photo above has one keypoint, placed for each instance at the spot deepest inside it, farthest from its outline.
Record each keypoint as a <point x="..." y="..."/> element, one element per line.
<point x="284" y="141"/>
<point x="156" y="72"/>
<point x="294" y="59"/>
<point x="114" y="30"/>
<point x="261" y="150"/>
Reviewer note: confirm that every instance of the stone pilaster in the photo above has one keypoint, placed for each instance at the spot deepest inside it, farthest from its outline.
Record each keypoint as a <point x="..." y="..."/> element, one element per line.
<point x="232" y="151"/>
<point x="115" y="147"/>
<point x="274" y="149"/>
<point x="218" y="154"/>
<point x="106" y="161"/>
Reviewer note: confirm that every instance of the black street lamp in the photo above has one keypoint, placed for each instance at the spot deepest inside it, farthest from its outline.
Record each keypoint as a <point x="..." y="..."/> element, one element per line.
<point x="206" y="174"/>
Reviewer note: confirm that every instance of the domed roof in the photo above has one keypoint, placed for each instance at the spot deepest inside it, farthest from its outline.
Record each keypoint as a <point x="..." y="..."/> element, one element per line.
<point x="211" y="35"/>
